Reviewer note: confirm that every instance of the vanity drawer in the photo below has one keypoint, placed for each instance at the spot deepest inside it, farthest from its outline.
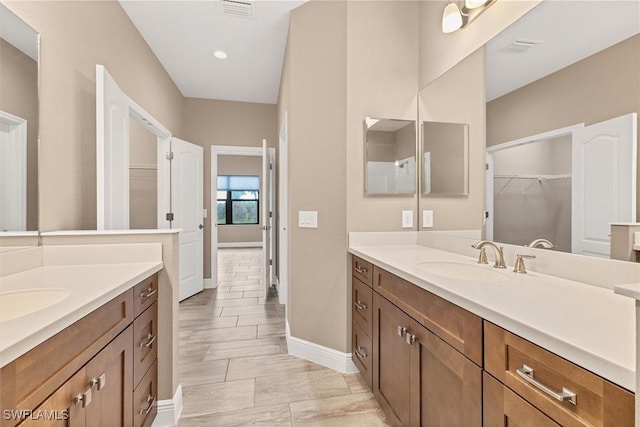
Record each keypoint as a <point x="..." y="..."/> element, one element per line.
<point x="598" y="402"/>
<point x="362" y="269"/>
<point x="145" y="398"/>
<point x="362" y="353"/>
<point x="145" y="293"/>
<point x="145" y="344"/>
<point x="458" y="327"/>
<point x="362" y="308"/>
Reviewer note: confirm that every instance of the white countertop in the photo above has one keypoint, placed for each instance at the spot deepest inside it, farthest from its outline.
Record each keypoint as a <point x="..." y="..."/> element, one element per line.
<point x="90" y="285"/>
<point x="589" y="325"/>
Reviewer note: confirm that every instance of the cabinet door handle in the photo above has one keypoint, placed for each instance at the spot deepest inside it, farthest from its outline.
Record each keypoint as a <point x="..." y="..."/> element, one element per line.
<point x="150" y="339"/>
<point x="101" y="381"/>
<point x="148" y="293"/>
<point x="151" y="400"/>
<point x="526" y="373"/>
<point x="361" y="270"/>
<point x="360" y="305"/>
<point x="410" y="338"/>
<point x="83" y="399"/>
<point x="360" y="354"/>
<point x="402" y="331"/>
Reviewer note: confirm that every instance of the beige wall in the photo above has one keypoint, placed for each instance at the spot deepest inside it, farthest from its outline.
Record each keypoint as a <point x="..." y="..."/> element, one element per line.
<point x="458" y="96"/>
<point x="239" y="165"/>
<point x="600" y="87"/>
<point x="75" y="36"/>
<point x="211" y="122"/>
<point x="439" y="52"/>
<point x="446" y="144"/>
<point x="19" y="96"/>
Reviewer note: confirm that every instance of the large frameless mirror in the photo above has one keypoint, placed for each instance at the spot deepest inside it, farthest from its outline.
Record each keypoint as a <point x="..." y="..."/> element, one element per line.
<point x="18" y="124"/>
<point x="390" y="157"/>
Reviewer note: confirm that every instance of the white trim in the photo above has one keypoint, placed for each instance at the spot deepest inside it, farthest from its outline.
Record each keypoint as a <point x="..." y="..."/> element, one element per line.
<point x="107" y="232"/>
<point x="14" y="169"/>
<point x="535" y="138"/>
<point x="325" y="356"/>
<point x="240" y="245"/>
<point x="210" y="284"/>
<point x="169" y="410"/>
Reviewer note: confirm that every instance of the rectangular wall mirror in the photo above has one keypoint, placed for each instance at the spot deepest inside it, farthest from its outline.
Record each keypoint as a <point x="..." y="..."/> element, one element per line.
<point x="390" y="157"/>
<point x="445" y="159"/>
<point x="18" y="124"/>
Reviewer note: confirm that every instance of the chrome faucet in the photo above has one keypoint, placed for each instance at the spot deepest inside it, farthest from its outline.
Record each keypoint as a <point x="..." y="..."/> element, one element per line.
<point x="542" y="243"/>
<point x="497" y="249"/>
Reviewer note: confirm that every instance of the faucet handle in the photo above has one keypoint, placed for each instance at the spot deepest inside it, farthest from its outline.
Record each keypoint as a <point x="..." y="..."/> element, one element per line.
<point x="482" y="258"/>
<point x="519" y="267"/>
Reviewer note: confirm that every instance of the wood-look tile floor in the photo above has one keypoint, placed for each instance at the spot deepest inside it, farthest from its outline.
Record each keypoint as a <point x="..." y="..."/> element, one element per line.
<point x="234" y="367"/>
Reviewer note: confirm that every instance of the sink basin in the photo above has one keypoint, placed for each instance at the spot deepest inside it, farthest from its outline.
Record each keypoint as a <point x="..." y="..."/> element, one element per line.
<point x="20" y="303"/>
<point x="461" y="271"/>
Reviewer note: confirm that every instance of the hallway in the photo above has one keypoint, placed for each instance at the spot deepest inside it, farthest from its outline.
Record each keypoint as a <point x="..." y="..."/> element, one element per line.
<point x="234" y="367"/>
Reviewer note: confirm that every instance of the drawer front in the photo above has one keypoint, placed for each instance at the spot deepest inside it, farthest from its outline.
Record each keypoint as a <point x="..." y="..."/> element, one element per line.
<point x="145" y="344"/>
<point x="145" y="398"/>
<point x="458" y="327"/>
<point x="362" y="352"/>
<point x="145" y="293"/>
<point x="362" y="305"/>
<point x="503" y="408"/>
<point x="526" y="368"/>
<point x="362" y="269"/>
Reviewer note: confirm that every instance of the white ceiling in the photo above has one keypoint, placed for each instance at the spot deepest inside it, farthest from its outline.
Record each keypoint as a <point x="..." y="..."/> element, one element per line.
<point x="569" y="31"/>
<point x="185" y="34"/>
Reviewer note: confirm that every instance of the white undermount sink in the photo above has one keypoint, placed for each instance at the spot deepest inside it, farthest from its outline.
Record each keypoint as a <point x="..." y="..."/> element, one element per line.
<point x="462" y="271"/>
<point x="16" y="304"/>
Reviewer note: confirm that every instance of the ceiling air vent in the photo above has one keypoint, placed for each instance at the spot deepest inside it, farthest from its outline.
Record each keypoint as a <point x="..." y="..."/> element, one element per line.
<point x="244" y="9"/>
<point x="520" y="46"/>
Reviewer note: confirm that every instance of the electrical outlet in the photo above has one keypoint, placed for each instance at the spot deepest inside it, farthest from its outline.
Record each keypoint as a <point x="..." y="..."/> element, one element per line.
<point x="427" y="218"/>
<point x="407" y="219"/>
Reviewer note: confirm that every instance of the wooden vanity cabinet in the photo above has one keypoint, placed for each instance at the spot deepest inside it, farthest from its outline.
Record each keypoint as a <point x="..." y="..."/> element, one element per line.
<point x="84" y="375"/>
<point x="361" y="325"/>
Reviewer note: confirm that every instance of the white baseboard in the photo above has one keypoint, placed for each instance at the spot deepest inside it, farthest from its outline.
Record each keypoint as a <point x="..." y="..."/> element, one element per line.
<point x="210" y="284"/>
<point x="240" y="245"/>
<point x="169" y="410"/>
<point x="325" y="356"/>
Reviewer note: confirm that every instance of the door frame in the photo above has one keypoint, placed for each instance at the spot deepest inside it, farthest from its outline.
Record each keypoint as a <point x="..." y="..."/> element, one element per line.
<point x="16" y="208"/>
<point x="282" y="275"/>
<point x="222" y="150"/>
<point x="490" y="151"/>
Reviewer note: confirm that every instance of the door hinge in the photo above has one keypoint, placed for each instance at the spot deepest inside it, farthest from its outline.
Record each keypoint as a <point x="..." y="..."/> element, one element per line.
<point x="270" y="262"/>
<point x="270" y="166"/>
<point x="169" y="216"/>
<point x="486" y="166"/>
<point x="170" y="155"/>
<point x="270" y="214"/>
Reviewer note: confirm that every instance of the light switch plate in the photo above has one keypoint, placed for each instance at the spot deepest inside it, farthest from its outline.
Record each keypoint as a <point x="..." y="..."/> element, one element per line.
<point x="407" y="219"/>
<point x="427" y="218"/>
<point x="308" y="219"/>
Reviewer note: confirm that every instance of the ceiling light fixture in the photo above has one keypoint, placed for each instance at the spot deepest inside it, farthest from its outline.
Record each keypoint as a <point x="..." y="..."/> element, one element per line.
<point x="220" y="54"/>
<point x="455" y="17"/>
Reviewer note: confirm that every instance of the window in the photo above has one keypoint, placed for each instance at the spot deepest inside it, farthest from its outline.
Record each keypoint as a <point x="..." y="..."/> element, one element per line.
<point x="238" y="199"/>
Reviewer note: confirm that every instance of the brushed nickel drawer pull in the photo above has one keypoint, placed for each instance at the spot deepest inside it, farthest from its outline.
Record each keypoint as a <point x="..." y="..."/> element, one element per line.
<point x="402" y="331"/>
<point x="361" y="270"/>
<point x="149" y="293"/>
<point x="151" y="338"/>
<point x="100" y="381"/>
<point x="360" y="354"/>
<point x="410" y="338"/>
<point x="526" y="373"/>
<point x="360" y="305"/>
<point x="151" y="400"/>
<point x="83" y="398"/>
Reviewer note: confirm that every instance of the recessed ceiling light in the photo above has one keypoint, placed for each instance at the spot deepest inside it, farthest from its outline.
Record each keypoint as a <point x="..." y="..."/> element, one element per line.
<point x="220" y="54"/>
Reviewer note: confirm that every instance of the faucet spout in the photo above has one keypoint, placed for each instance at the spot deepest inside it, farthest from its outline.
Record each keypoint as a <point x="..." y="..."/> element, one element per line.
<point x="542" y="243"/>
<point x="496" y="249"/>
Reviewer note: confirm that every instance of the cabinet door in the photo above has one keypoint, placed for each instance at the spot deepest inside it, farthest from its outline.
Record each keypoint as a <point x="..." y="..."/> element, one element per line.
<point x="448" y="384"/>
<point x="504" y="408"/>
<point x="391" y="361"/>
<point x="110" y="375"/>
<point x="65" y="407"/>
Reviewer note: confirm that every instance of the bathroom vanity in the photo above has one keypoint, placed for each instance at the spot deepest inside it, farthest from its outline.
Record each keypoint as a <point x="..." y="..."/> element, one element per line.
<point x="89" y="355"/>
<point x="442" y="340"/>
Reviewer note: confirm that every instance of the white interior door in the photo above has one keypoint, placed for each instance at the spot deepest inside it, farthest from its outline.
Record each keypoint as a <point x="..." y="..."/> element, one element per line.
<point x="265" y="220"/>
<point x="13" y="172"/>
<point x="283" y="213"/>
<point x="272" y="215"/>
<point x="604" y="182"/>
<point x="112" y="153"/>
<point x="186" y="205"/>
